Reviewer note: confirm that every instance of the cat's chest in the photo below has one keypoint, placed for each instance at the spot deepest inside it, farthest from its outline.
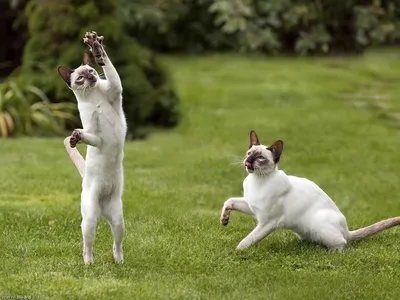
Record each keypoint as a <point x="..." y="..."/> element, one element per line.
<point x="258" y="193"/>
<point x="263" y="195"/>
<point x="98" y="116"/>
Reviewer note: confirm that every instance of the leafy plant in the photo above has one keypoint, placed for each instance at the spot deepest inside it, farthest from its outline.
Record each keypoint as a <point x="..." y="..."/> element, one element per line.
<point x="149" y="97"/>
<point x="299" y="26"/>
<point x="25" y="109"/>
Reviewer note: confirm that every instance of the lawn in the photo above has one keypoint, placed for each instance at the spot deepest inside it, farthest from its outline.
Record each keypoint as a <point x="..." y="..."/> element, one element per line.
<point x="338" y="118"/>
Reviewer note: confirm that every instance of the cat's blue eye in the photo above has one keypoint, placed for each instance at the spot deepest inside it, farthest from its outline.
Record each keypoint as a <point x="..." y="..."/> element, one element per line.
<point x="91" y="71"/>
<point x="261" y="157"/>
<point x="80" y="78"/>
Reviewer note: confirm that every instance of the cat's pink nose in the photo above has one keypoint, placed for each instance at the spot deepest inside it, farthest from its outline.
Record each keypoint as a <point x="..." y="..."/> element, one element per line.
<point x="247" y="164"/>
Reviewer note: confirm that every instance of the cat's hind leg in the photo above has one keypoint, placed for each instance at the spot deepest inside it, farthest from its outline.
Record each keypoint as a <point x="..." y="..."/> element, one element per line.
<point x="114" y="215"/>
<point x="91" y="212"/>
<point x="334" y="242"/>
<point x="238" y="204"/>
<point x="330" y="230"/>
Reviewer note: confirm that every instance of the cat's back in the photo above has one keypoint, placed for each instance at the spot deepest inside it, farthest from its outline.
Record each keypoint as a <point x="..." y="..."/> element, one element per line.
<point x="308" y="193"/>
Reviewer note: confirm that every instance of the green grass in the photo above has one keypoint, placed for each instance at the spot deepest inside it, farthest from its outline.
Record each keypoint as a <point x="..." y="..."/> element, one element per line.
<point x="336" y="133"/>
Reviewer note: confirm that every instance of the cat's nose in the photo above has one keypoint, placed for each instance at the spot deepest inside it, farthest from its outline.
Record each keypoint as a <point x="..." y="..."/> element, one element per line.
<point x="247" y="164"/>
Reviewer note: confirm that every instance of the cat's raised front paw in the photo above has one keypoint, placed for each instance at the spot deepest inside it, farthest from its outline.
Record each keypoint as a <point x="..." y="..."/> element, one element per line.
<point x="75" y="138"/>
<point x="225" y="214"/>
<point x="95" y="44"/>
<point x="225" y="220"/>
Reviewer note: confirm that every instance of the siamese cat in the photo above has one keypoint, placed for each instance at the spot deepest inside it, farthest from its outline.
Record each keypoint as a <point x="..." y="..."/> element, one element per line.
<point x="278" y="201"/>
<point x="104" y="130"/>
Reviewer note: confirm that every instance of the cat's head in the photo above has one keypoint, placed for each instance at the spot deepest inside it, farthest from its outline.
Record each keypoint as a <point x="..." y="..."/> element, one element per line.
<point x="261" y="159"/>
<point x="82" y="79"/>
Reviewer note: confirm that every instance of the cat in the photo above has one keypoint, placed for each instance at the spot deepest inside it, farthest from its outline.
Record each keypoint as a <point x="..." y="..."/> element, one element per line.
<point x="104" y="130"/>
<point x="281" y="201"/>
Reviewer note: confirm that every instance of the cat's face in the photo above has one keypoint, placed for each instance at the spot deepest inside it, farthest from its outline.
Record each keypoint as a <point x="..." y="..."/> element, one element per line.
<point x="83" y="78"/>
<point x="261" y="159"/>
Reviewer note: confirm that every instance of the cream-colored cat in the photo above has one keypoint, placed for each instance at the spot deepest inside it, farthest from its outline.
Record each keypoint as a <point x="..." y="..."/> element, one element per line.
<point x="104" y="130"/>
<point x="281" y="201"/>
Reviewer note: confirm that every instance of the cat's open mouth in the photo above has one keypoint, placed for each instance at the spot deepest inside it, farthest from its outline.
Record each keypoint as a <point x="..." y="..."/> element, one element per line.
<point x="92" y="82"/>
<point x="249" y="166"/>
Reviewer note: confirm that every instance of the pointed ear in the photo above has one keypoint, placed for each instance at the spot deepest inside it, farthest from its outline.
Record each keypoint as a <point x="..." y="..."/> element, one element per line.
<point x="65" y="73"/>
<point x="276" y="149"/>
<point x="253" y="139"/>
<point x="86" y="59"/>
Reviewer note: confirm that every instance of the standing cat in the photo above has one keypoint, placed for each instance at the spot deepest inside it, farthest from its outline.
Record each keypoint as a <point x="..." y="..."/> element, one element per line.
<point x="104" y="130"/>
<point x="281" y="201"/>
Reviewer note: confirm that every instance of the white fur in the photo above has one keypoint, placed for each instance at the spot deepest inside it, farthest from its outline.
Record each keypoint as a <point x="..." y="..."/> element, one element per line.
<point x="281" y="201"/>
<point x="104" y="130"/>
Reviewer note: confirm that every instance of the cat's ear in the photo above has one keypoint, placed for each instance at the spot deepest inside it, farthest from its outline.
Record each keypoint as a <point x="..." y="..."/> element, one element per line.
<point x="86" y="59"/>
<point x="253" y="139"/>
<point x="65" y="73"/>
<point x="276" y="149"/>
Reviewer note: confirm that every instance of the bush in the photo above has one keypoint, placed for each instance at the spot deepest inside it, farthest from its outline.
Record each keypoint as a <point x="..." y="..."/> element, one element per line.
<point x="263" y="25"/>
<point x="56" y="29"/>
<point x="25" y="110"/>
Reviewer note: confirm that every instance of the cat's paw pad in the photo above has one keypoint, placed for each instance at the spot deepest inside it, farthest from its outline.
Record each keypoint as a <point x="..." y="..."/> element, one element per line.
<point x="224" y="220"/>
<point x="75" y="138"/>
<point x="92" y="37"/>
<point x="95" y="44"/>
<point x="225" y="214"/>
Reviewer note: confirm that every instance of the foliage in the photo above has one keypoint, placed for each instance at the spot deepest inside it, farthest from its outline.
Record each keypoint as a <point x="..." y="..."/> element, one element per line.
<point x="56" y="29"/>
<point x="25" y="109"/>
<point x="177" y="181"/>
<point x="263" y="25"/>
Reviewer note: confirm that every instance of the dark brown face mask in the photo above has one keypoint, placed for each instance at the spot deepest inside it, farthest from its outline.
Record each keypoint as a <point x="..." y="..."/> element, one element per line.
<point x="276" y="150"/>
<point x="251" y="159"/>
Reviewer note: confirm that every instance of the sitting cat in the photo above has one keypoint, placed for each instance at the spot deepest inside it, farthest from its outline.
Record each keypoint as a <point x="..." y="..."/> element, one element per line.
<point x="281" y="201"/>
<point x="104" y="129"/>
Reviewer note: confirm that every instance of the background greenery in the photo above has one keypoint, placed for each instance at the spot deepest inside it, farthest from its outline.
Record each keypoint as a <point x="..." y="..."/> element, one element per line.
<point x="39" y="35"/>
<point x="338" y="116"/>
<point x="177" y="181"/>
<point x="270" y="26"/>
<point x="55" y="31"/>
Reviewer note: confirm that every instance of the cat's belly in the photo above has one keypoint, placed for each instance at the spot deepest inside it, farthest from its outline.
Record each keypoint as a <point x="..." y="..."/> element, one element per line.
<point x="103" y="171"/>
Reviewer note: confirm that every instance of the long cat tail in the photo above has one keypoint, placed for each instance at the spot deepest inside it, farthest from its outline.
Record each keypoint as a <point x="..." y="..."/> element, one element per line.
<point x="365" y="232"/>
<point x="76" y="157"/>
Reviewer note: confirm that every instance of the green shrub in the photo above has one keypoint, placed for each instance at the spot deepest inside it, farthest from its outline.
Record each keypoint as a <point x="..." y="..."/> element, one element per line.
<point x="263" y="25"/>
<point x="56" y="29"/>
<point x="26" y="110"/>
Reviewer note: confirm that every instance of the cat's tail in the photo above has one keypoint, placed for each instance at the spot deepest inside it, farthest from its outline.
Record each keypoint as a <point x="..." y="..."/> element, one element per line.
<point x="76" y="157"/>
<point x="365" y="232"/>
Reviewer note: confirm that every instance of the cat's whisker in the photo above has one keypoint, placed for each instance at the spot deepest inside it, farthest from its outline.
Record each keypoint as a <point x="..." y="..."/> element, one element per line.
<point x="236" y="163"/>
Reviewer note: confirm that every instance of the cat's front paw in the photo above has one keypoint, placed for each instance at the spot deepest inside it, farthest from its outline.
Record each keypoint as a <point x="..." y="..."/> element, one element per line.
<point x="225" y="215"/>
<point x="242" y="245"/>
<point x="224" y="219"/>
<point x="75" y="138"/>
<point x="95" y="43"/>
